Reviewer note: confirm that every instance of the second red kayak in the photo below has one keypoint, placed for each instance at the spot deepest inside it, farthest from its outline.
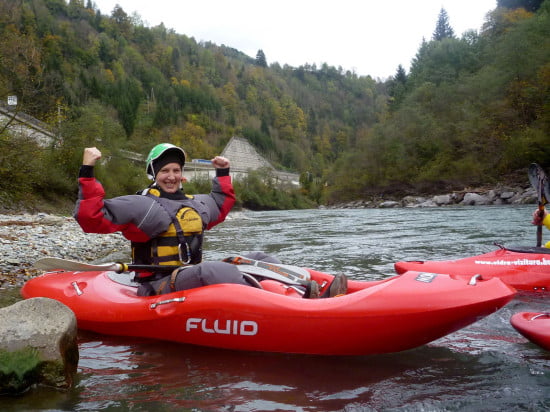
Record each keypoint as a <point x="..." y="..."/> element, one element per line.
<point x="524" y="268"/>
<point x="534" y="326"/>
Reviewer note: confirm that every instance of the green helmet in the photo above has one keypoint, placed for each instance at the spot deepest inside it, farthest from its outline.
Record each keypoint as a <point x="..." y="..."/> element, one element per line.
<point x="152" y="164"/>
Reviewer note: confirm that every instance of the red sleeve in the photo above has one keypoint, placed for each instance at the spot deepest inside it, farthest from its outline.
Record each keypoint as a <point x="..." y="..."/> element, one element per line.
<point x="92" y="216"/>
<point x="225" y="188"/>
<point x="89" y="212"/>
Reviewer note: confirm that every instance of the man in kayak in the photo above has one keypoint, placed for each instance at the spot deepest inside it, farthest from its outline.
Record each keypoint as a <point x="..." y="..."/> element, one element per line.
<point x="165" y="225"/>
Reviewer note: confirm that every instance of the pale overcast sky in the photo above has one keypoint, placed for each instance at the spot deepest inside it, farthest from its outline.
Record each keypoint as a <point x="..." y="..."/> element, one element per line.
<point x="364" y="36"/>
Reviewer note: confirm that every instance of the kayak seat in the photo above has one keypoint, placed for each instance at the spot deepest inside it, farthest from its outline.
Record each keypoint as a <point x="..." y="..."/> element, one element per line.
<point x="279" y="288"/>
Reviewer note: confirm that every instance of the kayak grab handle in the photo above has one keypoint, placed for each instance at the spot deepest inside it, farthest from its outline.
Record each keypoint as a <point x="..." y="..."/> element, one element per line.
<point x="77" y="288"/>
<point x="473" y="280"/>
<point x="540" y="315"/>
<point x="164" y="302"/>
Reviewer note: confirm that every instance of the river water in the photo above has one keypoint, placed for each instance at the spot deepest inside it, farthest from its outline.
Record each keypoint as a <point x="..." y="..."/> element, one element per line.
<point x="487" y="366"/>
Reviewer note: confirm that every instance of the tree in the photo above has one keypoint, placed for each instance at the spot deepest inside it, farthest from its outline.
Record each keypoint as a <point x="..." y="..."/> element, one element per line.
<point x="22" y="71"/>
<point x="397" y="87"/>
<point x="529" y="5"/>
<point x="443" y="29"/>
<point x="123" y="24"/>
<point x="400" y="75"/>
<point x="442" y="61"/>
<point x="260" y="59"/>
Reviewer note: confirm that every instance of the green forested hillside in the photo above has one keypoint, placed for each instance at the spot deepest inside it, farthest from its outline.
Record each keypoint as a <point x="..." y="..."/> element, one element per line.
<point x="469" y="110"/>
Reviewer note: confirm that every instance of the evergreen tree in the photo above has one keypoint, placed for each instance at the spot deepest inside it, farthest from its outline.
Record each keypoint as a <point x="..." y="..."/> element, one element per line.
<point x="397" y="87"/>
<point x="443" y="29"/>
<point x="400" y="75"/>
<point x="260" y="59"/>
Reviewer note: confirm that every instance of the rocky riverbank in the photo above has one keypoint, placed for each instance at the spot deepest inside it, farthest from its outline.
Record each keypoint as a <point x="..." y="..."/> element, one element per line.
<point x="25" y="238"/>
<point x="502" y="195"/>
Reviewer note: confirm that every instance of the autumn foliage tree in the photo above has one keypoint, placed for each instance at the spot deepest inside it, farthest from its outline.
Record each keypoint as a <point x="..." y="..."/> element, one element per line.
<point x="529" y="5"/>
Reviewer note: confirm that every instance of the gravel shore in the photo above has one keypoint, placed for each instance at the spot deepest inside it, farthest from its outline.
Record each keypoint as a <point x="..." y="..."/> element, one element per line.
<point x="26" y="238"/>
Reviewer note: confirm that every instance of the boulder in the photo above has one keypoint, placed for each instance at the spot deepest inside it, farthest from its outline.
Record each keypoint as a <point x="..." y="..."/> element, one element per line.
<point x="389" y="204"/>
<point x="507" y="195"/>
<point x="491" y="195"/>
<point x="412" y="201"/>
<point x="38" y="345"/>
<point x="440" y="200"/>
<point x="457" y="197"/>
<point x="427" y="203"/>
<point x="474" y="199"/>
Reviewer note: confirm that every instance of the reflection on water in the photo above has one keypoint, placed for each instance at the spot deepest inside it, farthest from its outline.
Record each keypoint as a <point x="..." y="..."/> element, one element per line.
<point x="487" y="366"/>
<point x="471" y="369"/>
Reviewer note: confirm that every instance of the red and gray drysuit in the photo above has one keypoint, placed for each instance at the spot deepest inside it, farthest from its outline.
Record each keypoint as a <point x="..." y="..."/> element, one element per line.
<point x="157" y="223"/>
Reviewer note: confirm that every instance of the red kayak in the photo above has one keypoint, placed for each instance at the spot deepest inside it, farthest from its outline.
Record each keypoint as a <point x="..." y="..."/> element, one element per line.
<point x="524" y="268"/>
<point x="534" y="326"/>
<point x="391" y="315"/>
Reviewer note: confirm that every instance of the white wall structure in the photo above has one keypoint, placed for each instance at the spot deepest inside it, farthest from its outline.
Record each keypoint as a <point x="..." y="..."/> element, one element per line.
<point x="25" y="125"/>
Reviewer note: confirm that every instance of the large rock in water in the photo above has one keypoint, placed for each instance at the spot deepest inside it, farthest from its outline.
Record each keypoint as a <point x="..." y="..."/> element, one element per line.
<point x="38" y="345"/>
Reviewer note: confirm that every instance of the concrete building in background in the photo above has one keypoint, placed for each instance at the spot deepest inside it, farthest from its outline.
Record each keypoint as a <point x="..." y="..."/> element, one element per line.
<point x="244" y="158"/>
